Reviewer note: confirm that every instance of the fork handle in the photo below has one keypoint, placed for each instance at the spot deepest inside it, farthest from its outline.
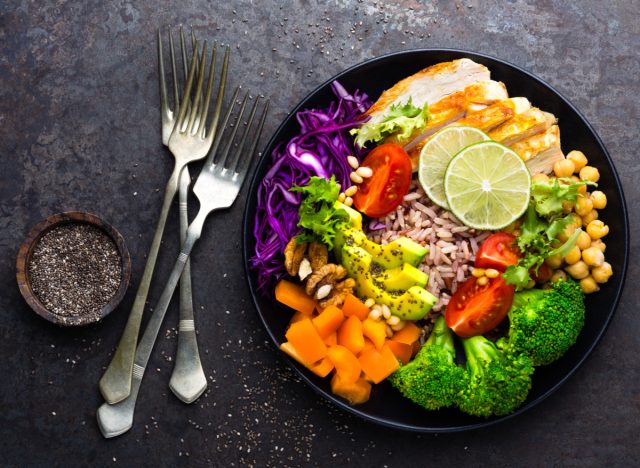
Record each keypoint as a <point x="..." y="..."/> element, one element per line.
<point x="115" y="384"/>
<point x="187" y="381"/>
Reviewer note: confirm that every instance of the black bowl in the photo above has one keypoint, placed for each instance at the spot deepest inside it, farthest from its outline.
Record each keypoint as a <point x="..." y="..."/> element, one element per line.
<point x="387" y="406"/>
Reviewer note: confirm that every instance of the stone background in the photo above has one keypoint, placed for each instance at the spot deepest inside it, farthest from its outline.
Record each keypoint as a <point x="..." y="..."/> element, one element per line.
<point x="79" y="129"/>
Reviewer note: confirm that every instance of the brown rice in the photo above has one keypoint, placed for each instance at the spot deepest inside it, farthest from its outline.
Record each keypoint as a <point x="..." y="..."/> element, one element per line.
<point x="452" y="245"/>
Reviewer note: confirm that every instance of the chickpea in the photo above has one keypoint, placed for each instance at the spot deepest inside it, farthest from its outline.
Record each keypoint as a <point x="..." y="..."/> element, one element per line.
<point x="599" y="200"/>
<point x="597" y="229"/>
<point x="555" y="261"/>
<point x="576" y="220"/>
<point x="568" y="232"/>
<point x="584" y="241"/>
<point x="564" y="168"/>
<point x="541" y="177"/>
<point x="583" y="205"/>
<point x="558" y="275"/>
<point x="589" y="173"/>
<point x="590" y="216"/>
<point x="598" y="244"/>
<point x="602" y="273"/>
<point x="578" y="270"/>
<point x="573" y="256"/>
<point x="578" y="158"/>
<point x="593" y="257"/>
<point x="583" y="188"/>
<point x="589" y="285"/>
<point x="568" y="206"/>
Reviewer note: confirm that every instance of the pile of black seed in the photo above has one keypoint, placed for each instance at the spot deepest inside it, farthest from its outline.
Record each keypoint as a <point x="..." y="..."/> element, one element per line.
<point x="75" y="270"/>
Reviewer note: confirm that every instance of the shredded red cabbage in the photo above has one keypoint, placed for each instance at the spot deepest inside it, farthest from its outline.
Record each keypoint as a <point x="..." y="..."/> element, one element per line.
<point x="320" y="149"/>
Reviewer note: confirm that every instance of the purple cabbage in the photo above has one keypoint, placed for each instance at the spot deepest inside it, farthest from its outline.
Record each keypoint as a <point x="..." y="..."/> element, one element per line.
<point x="320" y="149"/>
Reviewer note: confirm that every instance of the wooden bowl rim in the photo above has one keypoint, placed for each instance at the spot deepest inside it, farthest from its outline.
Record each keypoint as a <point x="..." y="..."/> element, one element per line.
<point x="26" y="250"/>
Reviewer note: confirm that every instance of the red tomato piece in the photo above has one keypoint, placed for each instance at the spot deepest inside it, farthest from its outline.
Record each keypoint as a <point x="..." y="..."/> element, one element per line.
<point x="381" y="193"/>
<point x="498" y="251"/>
<point x="476" y="309"/>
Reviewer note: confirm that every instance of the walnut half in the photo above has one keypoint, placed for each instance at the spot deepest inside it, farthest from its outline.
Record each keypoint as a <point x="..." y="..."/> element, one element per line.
<point x="293" y="255"/>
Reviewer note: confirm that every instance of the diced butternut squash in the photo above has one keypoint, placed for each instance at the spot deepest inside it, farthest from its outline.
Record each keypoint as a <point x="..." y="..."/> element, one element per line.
<point x="294" y="296"/>
<point x="331" y="339"/>
<point x="297" y="317"/>
<point x="400" y="350"/>
<point x="354" y="392"/>
<point x="328" y="321"/>
<point x="354" y="306"/>
<point x="291" y="351"/>
<point x="376" y="331"/>
<point x="345" y="362"/>
<point x="368" y="344"/>
<point x="408" y="335"/>
<point x="350" y="335"/>
<point x="307" y="342"/>
<point x="378" y="365"/>
<point x="322" y="368"/>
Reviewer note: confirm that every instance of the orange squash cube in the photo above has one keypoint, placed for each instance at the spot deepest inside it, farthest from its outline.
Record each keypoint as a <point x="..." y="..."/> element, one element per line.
<point x="304" y="337"/>
<point x="378" y="365"/>
<point x="409" y="334"/>
<point x="345" y="362"/>
<point x="350" y="335"/>
<point x="322" y="368"/>
<point x="354" y="306"/>
<point x="354" y="392"/>
<point x="400" y="350"/>
<point x="331" y="339"/>
<point x="294" y="296"/>
<point x="376" y="331"/>
<point x="328" y="321"/>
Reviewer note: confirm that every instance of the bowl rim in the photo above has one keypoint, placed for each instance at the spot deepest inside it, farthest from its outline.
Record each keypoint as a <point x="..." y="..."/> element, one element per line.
<point x="246" y="232"/>
<point x="31" y="240"/>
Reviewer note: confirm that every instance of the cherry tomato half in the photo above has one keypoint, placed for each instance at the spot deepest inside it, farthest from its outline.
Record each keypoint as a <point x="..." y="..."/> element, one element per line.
<point x="475" y="309"/>
<point x="498" y="251"/>
<point x="381" y="193"/>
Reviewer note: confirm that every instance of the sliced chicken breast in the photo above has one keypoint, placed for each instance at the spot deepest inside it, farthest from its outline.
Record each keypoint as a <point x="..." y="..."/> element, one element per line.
<point x="540" y="152"/>
<point x="522" y="126"/>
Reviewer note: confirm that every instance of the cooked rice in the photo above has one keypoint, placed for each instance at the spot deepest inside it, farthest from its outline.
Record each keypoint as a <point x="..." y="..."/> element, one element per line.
<point x="452" y="245"/>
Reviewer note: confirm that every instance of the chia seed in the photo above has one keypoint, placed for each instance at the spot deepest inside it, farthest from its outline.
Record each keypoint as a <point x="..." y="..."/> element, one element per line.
<point x="75" y="270"/>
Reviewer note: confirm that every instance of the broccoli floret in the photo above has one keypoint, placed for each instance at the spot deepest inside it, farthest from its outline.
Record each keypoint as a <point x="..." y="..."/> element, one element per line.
<point x="545" y="323"/>
<point x="499" y="378"/>
<point x="432" y="379"/>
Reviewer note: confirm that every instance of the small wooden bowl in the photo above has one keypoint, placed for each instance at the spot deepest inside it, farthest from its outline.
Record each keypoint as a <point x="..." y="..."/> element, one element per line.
<point x="24" y="258"/>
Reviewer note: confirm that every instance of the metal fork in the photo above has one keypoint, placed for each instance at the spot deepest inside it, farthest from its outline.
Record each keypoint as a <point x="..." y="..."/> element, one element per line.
<point x="193" y="144"/>
<point x="188" y="380"/>
<point x="217" y="187"/>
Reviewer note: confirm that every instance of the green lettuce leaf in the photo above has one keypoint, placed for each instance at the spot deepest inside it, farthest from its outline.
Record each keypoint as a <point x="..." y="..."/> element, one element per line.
<point x="401" y="119"/>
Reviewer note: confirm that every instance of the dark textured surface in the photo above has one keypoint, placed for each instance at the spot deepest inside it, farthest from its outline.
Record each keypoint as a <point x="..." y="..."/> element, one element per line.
<point x="80" y="130"/>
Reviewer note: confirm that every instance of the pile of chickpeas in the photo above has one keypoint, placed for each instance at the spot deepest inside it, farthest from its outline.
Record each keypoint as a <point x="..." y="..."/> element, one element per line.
<point x="585" y="262"/>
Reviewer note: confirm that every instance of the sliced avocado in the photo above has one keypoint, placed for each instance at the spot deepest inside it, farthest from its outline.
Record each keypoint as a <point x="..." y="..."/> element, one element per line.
<point x="354" y="216"/>
<point x="401" y="278"/>
<point x="412" y="304"/>
<point x="392" y="255"/>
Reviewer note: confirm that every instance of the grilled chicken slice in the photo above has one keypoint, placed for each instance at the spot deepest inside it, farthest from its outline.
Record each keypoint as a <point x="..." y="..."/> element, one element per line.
<point x="540" y="152"/>
<point x="486" y="119"/>
<point x="430" y="85"/>
<point x="454" y="107"/>
<point x="522" y="126"/>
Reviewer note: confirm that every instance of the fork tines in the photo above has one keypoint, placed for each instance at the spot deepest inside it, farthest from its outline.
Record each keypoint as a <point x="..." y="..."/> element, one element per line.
<point x="232" y="160"/>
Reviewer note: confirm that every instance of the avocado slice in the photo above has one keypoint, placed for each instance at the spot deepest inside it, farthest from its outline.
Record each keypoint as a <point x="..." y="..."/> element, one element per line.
<point x="412" y="304"/>
<point x="392" y="255"/>
<point x="400" y="278"/>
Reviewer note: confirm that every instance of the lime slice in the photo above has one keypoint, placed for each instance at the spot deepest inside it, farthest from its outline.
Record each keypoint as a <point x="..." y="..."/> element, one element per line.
<point x="487" y="185"/>
<point x="436" y="154"/>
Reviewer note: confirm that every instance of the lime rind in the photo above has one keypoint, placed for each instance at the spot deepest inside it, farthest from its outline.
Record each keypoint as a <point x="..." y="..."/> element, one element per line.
<point x="438" y="152"/>
<point x="487" y="186"/>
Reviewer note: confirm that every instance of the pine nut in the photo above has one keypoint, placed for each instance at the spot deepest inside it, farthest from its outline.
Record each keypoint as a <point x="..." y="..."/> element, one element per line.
<point x="375" y="314"/>
<point x="341" y="197"/>
<point x="364" y="172"/>
<point x="351" y="191"/>
<point x="483" y="280"/>
<point x="386" y="312"/>
<point x="355" y="178"/>
<point x="399" y="326"/>
<point x="393" y="320"/>
<point x="353" y="162"/>
<point x="478" y="272"/>
<point x="348" y="201"/>
<point x="491" y="273"/>
<point x="370" y="303"/>
<point x="389" y="331"/>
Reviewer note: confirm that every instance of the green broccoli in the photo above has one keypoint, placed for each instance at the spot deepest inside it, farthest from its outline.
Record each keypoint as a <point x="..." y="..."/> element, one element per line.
<point x="545" y="323"/>
<point x="432" y="379"/>
<point x="499" y="378"/>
